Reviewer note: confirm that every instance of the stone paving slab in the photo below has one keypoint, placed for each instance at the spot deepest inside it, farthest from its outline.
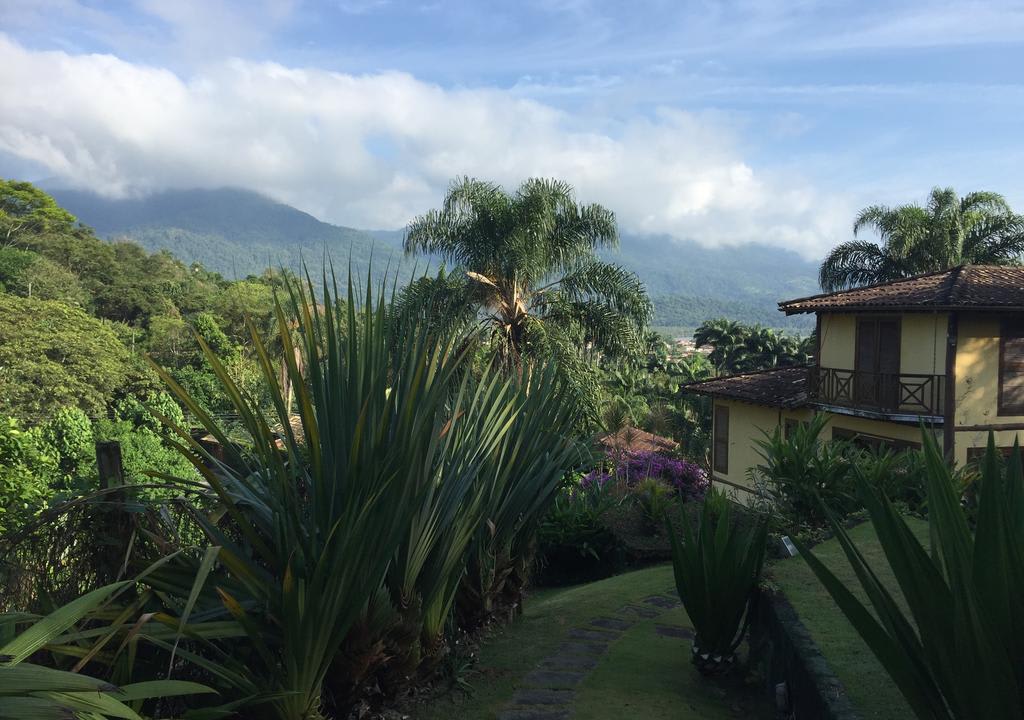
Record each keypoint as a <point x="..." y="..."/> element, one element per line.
<point x="554" y="678"/>
<point x="574" y="662"/>
<point x="662" y="601"/>
<point x="582" y="648"/>
<point x="543" y="696"/>
<point x="534" y="713"/>
<point x="608" y="623"/>
<point x="674" y="631"/>
<point x="639" y="610"/>
<point x="601" y="636"/>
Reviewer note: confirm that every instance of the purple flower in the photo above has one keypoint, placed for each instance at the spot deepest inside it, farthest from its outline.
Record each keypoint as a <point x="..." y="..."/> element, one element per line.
<point x="689" y="479"/>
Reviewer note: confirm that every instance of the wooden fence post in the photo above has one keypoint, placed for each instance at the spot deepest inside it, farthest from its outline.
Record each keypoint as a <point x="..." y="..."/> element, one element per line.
<point x="109" y="464"/>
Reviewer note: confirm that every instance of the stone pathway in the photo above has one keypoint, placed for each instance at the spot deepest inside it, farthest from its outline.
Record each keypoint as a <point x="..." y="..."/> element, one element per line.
<point x="548" y="692"/>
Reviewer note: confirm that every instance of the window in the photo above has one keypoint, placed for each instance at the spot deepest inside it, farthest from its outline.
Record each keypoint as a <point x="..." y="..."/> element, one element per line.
<point x="876" y="363"/>
<point x="873" y="442"/>
<point x="977" y="454"/>
<point x="1011" y="368"/>
<point x="720" y="451"/>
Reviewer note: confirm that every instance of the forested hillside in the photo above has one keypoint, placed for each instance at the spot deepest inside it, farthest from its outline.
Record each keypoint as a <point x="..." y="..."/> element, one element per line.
<point x="237" y="233"/>
<point x="233" y="232"/>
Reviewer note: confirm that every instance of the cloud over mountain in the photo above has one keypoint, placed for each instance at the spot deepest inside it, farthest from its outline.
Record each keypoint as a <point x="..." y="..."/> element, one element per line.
<point x="373" y="150"/>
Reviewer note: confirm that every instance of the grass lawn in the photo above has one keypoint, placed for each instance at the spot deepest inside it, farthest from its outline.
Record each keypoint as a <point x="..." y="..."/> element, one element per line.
<point x="648" y="676"/>
<point x="868" y="686"/>
<point x="643" y="675"/>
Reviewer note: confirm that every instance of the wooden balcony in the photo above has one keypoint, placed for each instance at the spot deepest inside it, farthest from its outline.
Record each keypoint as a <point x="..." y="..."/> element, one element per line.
<point x="882" y="393"/>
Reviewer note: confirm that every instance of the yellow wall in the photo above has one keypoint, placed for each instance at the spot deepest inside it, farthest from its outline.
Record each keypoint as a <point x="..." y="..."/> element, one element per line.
<point x="748" y="424"/>
<point x="977" y="384"/>
<point x="837" y="341"/>
<point x="923" y="351"/>
<point x="922" y="344"/>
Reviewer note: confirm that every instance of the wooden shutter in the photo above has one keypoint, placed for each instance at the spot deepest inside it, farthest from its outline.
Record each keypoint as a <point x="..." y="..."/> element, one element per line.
<point x="877" y="363"/>
<point x="720" y="450"/>
<point x="865" y="388"/>
<point x="888" y="364"/>
<point x="1011" y="368"/>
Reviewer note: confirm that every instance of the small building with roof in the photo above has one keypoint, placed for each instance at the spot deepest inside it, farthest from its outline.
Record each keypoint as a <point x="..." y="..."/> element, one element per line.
<point x="943" y="351"/>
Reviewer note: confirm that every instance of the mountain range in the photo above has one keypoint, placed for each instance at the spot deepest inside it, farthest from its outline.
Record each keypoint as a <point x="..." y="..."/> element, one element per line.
<point x="238" y="233"/>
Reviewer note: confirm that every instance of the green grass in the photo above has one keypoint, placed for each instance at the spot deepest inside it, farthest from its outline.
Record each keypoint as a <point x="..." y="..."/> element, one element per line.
<point x="642" y="675"/>
<point x="648" y="676"/>
<point x="868" y="686"/>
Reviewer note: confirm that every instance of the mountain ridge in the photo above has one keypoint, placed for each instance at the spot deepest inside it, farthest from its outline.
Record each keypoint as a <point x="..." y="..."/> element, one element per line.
<point x="239" y="232"/>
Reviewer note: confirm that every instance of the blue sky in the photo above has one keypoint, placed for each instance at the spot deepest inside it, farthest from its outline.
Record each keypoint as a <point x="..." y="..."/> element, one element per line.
<point x="724" y="122"/>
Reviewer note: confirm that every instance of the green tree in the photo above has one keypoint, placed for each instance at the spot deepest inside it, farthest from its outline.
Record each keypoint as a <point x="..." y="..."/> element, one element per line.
<point x="29" y="274"/>
<point x="27" y="468"/>
<point x="737" y="348"/>
<point x="978" y="228"/>
<point x="525" y="266"/>
<point x="53" y="355"/>
<point x="25" y="209"/>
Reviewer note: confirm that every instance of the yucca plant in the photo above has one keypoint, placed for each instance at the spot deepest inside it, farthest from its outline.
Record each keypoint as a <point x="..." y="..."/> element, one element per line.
<point x="30" y="691"/>
<point x="353" y="521"/>
<point x="313" y="515"/>
<point x="523" y="478"/>
<point x="717" y="567"/>
<point x="958" y="652"/>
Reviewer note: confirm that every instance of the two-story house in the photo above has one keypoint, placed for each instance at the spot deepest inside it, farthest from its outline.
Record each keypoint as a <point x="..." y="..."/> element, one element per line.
<point x="945" y="350"/>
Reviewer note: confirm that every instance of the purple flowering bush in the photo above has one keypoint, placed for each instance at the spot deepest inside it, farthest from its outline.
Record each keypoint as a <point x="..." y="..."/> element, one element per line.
<point x="687" y="478"/>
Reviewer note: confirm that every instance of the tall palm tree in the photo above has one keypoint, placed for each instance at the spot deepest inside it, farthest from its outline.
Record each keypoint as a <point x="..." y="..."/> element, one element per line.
<point x="978" y="228"/>
<point x="525" y="266"/>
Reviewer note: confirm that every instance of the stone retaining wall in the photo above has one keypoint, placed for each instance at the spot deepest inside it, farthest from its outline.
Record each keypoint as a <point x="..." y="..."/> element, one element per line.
<point x="782" y="646"/>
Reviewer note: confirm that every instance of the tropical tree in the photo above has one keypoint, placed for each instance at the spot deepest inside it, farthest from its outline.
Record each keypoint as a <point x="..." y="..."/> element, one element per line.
<point x="978" y="228"/>
<point x="524" y="264"/>
<point x="736" y="347"/>
<point x="24" y="208"/>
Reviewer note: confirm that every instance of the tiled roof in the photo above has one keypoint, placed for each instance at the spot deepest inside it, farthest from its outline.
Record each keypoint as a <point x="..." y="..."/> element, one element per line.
<point x="631" y="439"/>
<point x="782" y="387"/>
<point x="966" y="286"/>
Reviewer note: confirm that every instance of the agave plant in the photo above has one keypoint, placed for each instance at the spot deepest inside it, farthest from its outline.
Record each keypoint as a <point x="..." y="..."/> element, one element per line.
<point x="717" y="568"/>
<point x="29" y="691"/>
<point x="957" y="651"/>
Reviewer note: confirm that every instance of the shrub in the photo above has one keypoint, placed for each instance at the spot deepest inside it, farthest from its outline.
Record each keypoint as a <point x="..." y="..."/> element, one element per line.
<point x="957" y="653"/>
<point x="717" y="568"/>
<point x="573" y="542"/>
<point x="687" y="478"/>
<point x="800" y="469"/>
<point x="27" y="470"/>
<point x="413" y="481"/>
<point x="69" y="432"/>
<point x="654" y="498"/>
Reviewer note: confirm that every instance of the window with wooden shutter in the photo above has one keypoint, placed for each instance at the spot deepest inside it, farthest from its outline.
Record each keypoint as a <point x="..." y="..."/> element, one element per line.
<point x="1011" y="368"/>
<point x="721" y="445"/>
<point x="877" y="362"/>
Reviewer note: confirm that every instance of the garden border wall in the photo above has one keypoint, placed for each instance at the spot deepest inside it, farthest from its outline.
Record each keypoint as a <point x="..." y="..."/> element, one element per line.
<point x="782" y="647"/>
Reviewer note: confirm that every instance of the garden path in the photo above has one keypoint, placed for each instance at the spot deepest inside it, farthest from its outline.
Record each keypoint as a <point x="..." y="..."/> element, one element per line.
<point x="549" y="691"/>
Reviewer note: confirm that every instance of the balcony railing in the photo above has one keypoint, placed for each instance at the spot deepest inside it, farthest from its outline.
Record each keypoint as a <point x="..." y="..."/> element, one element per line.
<point x="902" y="393"/>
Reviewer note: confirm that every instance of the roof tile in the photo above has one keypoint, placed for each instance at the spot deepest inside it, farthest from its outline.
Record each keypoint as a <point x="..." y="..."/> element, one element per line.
<point x="965" y="286"/>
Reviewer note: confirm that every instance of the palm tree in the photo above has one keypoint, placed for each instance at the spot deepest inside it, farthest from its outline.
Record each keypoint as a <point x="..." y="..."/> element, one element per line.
<point x="525" y="266"/>
<point x="978" y="228"/>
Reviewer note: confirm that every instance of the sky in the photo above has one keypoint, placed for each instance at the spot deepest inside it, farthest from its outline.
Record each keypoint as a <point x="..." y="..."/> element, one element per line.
<point x="720" y="121"/>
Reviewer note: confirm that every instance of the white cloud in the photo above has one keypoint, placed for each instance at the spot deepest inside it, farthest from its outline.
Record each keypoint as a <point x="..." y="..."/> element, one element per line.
<point x="374" y="150"/>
